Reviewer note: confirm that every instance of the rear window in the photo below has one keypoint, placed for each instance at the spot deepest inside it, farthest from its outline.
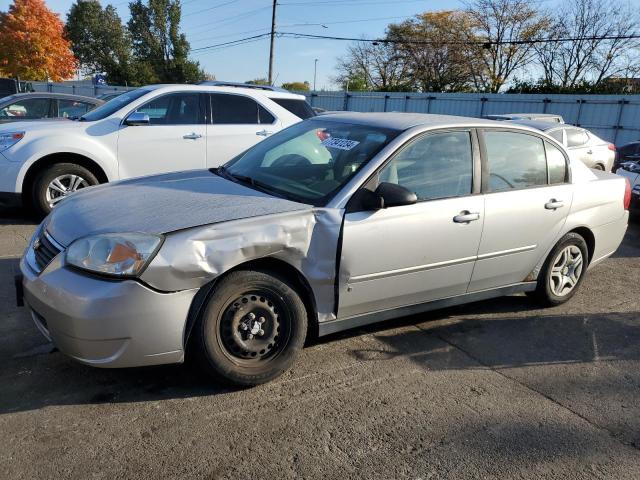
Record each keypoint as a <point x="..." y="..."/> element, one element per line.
<point x="300" y="108"/>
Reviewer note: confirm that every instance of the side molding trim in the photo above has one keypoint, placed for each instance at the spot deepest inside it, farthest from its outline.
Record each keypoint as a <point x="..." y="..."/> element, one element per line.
<point x="327" y="328"/>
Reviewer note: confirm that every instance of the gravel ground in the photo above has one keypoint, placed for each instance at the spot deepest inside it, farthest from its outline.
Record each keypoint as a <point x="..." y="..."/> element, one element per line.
<point x="496" y="389"/>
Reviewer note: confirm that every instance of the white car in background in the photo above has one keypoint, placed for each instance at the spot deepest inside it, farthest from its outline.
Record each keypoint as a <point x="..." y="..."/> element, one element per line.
<point x="581" y="143"/>
<point x="150" y="130"/>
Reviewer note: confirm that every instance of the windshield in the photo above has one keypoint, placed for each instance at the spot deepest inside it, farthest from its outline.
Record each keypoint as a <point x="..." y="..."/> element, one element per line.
<point x="114" y="105"/>
<point x="310" y="161"/>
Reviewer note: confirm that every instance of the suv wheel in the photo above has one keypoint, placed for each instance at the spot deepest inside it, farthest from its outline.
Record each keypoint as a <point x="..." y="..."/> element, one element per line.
<point x="253" y="326"/>
<point x="57" y="182"/>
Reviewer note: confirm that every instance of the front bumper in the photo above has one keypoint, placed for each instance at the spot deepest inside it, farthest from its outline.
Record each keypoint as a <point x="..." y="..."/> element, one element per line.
<point x="106" y="323"/>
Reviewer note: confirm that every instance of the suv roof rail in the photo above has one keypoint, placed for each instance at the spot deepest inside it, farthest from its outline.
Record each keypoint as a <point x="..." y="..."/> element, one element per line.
<point x="218" y="83"/>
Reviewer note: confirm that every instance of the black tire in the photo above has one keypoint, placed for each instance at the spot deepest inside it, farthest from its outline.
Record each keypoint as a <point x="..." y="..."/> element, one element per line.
<point x="39" y="200"/>
<point x="599" y="166"/>
<point x="544" y="293"/>
<point x="221" y="341"/>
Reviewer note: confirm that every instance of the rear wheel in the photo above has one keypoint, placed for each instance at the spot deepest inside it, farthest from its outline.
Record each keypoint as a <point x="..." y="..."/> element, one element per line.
<point x="252" y="328"/>
<point x="57" y="182"/>
<point x="598" y="166"/>
<point x="563" y="270"/>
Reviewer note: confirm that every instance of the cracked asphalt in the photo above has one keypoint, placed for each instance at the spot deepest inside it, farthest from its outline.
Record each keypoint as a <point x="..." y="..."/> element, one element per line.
<point x="496" y="389"/>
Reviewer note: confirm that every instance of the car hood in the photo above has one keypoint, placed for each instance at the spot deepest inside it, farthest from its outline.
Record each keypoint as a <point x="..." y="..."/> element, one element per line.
<point x="160" y="204"/>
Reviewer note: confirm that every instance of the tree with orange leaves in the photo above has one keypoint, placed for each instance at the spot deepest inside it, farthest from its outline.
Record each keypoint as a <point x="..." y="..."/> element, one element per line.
<point x="33" y="44"/>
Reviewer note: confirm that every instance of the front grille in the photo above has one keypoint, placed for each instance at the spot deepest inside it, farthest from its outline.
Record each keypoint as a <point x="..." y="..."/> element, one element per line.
<point x="45" y="250"/>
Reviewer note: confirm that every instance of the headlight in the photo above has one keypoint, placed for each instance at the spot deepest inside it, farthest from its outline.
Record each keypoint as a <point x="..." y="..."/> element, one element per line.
<point x="9" y="139"/>
<point x="121" y="254"/>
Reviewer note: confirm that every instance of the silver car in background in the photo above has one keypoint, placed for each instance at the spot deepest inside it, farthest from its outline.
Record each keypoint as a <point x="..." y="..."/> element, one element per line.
<point x="336" y="222"/>
<point x="581" y="144"/>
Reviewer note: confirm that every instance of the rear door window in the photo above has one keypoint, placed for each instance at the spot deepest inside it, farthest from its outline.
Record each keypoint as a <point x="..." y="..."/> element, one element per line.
<point x="515" y="160"/>
<point x="227" y="109"/>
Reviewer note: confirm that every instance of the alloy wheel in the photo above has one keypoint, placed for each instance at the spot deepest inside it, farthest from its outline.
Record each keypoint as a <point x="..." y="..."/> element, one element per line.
<point x="62" y="186"/>
<point x="566" y="270"/>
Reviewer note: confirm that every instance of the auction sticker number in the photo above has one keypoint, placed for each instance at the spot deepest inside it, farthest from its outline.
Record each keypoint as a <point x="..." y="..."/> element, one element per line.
<point x="340" y="143"/>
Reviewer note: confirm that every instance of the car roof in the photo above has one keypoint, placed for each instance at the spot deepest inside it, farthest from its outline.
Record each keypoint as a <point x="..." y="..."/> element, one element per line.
<point x="227" y="89"/>
<point x="64" y="96"/>
<point x="540" y="115"/>
<point x="541" y="125"/>
<point x="404" y="121"/>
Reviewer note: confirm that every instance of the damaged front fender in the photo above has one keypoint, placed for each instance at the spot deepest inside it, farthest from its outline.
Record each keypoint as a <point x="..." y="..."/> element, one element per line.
<point x="307" y="240"/>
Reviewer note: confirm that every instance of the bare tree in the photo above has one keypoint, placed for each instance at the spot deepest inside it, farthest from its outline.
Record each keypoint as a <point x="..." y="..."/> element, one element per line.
<point x="587" y="56"/>
<point x="505" y="27"/>
<point x="376" y="63"/>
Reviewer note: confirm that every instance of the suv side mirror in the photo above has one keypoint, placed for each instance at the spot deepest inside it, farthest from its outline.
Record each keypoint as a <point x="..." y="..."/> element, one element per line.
<point x="386" y="195"/>
<point x="137" y="118"/>
<point x="395" y="195"/>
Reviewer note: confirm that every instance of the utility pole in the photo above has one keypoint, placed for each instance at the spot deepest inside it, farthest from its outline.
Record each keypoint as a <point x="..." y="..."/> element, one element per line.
<point x="273" y="36"/>
<point x="315" y="73"/>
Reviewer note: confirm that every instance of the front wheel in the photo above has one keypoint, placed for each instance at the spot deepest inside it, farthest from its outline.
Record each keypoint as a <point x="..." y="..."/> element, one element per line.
<point x="57" y="182"/>
<point x="563" y="270"/>
<point x="253" y="326"/>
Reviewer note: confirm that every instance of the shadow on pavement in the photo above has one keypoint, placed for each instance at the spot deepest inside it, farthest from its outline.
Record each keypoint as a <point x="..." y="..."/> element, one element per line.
<point x="40" y="380"/>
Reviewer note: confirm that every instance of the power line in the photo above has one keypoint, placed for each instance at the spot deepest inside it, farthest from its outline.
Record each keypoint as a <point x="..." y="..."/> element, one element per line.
<point x="341" y="2"/>
<point x="211" y="8"/>
<point x="232" y="19"/>
<point x="484" y="43"/>
<point x="238" y="43"/>
<point x="232" y="42"/>
<point x="413" y="41"/>
<point x="362" y="20"/>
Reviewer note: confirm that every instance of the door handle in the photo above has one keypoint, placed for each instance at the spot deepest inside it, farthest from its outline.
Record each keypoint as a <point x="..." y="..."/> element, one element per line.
<point x="554" y="204"/>
<point x="589" y="152"/>
<point x="192" y="136"/>
<point x="466" y="216"/>
<point x="264" y="133"/>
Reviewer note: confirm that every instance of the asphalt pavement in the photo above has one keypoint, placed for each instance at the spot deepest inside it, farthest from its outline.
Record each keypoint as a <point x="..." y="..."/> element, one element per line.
<point x="497" y="389"/>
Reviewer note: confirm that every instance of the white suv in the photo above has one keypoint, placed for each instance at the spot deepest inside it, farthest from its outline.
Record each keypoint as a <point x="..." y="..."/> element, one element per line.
<point x="154" y="129"/>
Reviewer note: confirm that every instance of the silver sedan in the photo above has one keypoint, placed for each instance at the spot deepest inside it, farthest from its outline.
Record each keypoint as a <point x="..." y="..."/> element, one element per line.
<point x="336" y="222"/>
<point x="580" y="143"/>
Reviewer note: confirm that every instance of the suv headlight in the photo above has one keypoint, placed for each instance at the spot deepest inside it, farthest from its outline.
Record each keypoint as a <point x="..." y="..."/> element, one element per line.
<point x="9" y="139"/>
<point x="119" y="254"/>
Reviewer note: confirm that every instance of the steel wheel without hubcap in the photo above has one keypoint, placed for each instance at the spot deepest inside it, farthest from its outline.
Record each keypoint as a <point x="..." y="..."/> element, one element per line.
<point x="566" y="271"/>
<point x="63" y="186"/>
<point x="251" y="329"/>
<point x="254" y="328"/>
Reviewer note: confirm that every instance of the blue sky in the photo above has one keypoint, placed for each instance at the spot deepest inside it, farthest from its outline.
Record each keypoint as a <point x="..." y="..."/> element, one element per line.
<point x="209" y="22"/>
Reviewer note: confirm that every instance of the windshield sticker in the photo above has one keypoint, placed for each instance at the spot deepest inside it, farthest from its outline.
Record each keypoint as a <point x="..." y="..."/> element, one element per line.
<point x="340" y="143"/>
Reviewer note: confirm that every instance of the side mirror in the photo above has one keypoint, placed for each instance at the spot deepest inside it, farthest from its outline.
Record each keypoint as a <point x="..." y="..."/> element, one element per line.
<point x="137" y="119"/>
<point x="395" y="195"/>
<point x="386" y="195"/>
